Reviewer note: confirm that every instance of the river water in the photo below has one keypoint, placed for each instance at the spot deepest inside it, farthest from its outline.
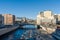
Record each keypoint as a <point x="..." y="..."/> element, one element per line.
<point x="16" y="35"/>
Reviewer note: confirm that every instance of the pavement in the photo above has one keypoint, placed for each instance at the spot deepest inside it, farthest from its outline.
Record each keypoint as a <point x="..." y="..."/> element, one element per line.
<point x="6" y="30"/>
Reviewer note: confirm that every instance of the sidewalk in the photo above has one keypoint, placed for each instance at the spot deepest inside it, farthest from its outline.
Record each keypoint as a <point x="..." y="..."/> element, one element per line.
<point x="6" y="30"/>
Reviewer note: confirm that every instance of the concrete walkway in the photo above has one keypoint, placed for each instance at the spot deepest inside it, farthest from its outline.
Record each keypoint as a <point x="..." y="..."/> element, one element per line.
<point x="6" y="30"/>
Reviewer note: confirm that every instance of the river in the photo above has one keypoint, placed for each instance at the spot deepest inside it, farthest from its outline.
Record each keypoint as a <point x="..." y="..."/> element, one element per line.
<point x="17" y="34"/>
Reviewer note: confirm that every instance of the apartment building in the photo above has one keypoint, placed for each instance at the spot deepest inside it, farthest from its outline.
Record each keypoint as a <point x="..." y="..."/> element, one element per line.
<point x="9" y="19"/>
<point x="45" y="16"/>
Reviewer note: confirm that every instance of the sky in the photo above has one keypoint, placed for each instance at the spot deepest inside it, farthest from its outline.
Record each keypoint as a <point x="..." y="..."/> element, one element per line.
<point x="28" y="8"/>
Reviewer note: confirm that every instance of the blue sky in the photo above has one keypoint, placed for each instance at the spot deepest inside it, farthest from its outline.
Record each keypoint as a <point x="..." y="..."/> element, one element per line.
<point x="28" y="8"/>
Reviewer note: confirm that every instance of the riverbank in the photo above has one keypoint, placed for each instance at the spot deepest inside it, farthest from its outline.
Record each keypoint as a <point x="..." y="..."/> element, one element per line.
<point x="24" y="33"/>
<point x="6" y="30"/>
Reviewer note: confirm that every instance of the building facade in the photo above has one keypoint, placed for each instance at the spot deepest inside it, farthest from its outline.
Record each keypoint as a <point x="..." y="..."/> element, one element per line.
<point x="38" y="19"/>
<point x="9" y="19"/>
<point x="58" y="17"/>
<point x="47" y="14"/>
<point x="1" y="19"/>
<point x="45" y="17"/>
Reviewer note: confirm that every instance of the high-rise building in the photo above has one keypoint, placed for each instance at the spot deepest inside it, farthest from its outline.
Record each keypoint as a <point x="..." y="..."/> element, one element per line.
<point x="39" y="19"/>
<point x="45" y="16"/>
<point x="9" y="19"/>
<point x="1" y="19"/>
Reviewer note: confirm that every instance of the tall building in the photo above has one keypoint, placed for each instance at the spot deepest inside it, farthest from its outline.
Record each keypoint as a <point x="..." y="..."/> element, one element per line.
<point x="1" y="19"/>
<point x="58" y="17"/>
<point x="9" y="19"/>
<point x="45" y="16"/>
<point x="39" y="19"/>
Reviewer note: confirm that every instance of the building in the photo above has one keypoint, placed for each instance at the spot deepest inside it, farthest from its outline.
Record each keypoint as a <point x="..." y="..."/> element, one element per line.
<point x="9" y="19"/>
<point x="38" y="19"/>
<point x="47" y="14"/>
<point x="18" y="20"/>
<point x="55" y="16"/>
<point x="24" y="19"/>
<point x="30" y="21"/>
<point x="1" y="19"/>
<point x="58" y="17"/>
<point x="45" y="17"/>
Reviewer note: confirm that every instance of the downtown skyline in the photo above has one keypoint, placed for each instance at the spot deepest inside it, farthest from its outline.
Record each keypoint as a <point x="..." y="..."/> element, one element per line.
<point x="28" y="8"/>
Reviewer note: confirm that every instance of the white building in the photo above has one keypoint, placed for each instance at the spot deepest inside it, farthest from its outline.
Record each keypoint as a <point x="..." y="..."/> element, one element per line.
<point x="45" y="16"/>
<point x="38" y="19"/>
